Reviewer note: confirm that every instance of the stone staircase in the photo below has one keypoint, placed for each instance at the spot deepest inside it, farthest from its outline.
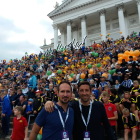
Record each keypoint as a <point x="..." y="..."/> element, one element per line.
<point x="11" y="127"/>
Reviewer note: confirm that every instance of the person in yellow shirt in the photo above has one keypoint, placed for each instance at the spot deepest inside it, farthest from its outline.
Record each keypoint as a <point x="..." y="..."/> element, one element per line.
<point x="59" y="80"/>
<point x="106" y="57"/>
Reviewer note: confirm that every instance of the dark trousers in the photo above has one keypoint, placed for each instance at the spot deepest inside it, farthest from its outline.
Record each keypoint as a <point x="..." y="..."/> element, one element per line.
<point x="5" y="125"/>
<point x="122" y="89"/>
<point x="114" y="131"/>
<point x="31" y="94"/>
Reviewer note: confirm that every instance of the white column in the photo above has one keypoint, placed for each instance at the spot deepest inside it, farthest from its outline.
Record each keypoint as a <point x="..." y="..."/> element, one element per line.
<point x="138" y="5"/>
<point x="69" y="31"/>
<point x="83" y="28"/>
<point x="103" y="24"/>
<point x="62" y="31"/>
<point x="55" y="35"/>
<point x="75" y="33"/>
<point x="120" y="8"/>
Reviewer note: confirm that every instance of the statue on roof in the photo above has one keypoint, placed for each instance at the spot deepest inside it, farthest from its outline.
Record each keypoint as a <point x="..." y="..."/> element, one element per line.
<point x="44" y="41"/>
<point x="56" y="5"/>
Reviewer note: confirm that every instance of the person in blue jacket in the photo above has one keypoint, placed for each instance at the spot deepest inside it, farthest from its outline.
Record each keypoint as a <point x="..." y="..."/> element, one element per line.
<point x="6" y="112"/>
<point x="95" y="91"/>
<point x="29" y="110"/>
<point x="32" y="85"/>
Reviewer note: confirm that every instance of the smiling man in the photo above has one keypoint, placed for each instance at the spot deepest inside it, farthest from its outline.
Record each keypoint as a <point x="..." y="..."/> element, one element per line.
<point x="88" y="116"/>
<point x="57" y="125"/>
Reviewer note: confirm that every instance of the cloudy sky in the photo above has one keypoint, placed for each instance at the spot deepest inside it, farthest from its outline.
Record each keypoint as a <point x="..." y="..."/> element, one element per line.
<point x="23" y="26"/>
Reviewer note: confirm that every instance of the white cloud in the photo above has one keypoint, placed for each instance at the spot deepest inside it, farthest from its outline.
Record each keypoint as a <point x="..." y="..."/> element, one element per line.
<point x="27" y="21"/>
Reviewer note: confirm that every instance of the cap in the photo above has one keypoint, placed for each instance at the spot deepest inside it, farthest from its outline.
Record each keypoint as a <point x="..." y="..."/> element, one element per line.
<point x="31" y="100"/>
<point x="38" y="91"/>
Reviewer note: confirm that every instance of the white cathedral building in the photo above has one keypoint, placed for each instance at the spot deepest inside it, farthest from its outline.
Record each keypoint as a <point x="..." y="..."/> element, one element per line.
<point x="77" y="18"/>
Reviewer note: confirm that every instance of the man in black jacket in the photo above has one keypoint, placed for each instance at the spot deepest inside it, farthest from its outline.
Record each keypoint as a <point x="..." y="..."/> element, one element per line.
<point x="89" y="116"/>
<point x="131" y="72"/>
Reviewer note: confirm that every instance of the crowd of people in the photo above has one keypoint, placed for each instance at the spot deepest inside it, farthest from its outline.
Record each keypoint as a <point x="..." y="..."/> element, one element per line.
<point x="35" y="81"/>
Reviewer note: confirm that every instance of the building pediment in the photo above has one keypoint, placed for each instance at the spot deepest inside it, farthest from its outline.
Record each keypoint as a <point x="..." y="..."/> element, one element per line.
<point x="70" y="5"/>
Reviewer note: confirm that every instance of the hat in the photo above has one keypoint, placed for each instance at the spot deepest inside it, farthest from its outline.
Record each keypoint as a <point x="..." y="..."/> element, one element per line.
<point x="31" y="100"/>
<point x="38" y="91"/>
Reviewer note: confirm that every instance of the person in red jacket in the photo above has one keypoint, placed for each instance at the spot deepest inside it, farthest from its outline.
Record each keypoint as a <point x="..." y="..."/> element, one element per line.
<point x="111" y="111"/>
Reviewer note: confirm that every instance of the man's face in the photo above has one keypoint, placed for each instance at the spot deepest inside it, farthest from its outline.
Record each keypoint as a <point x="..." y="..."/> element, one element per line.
<point x="84" y="92"/>
<point x="19" y="92"/>
<point x="31" y="73"/>
<point x="21" y="98"/>
<point x="64" y="93"/>
<point x="138" y="58"/>
<point x="129" y="67"/>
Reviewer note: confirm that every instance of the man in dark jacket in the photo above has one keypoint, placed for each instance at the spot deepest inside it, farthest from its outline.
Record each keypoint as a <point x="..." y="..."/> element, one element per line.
<point x="6" y="112"/>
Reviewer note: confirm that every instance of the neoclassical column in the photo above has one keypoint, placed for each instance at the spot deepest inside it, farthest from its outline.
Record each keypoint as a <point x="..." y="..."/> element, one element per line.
<point x="55" y="27"/>
<point x="103" y="23"/>
<point x="75" y="33"/>
<point x="120" y="8"/>
<point x="83" y="28"/>
<point x="62" y="31"/>
<point x="69" y="22"/>
<point x="138" y="5"/>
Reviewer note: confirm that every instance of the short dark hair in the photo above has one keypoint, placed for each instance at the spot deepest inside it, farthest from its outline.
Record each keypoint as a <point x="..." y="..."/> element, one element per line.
<point x="130" y="56"/>
<point x="129" y="64"/>
<point x="23" y="96"/>
<point x="113" y="91"/>
<point x="63" y="82"/>
<point x="84" y="83"/>
<point x="32" y="71"/>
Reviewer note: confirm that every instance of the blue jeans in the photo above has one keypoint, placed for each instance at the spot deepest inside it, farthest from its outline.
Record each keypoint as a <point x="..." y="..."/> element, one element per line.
<point x="5" y="125"/>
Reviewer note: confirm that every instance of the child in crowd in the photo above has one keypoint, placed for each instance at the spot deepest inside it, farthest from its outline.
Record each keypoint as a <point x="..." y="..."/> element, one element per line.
<point x="92" y="82"/>
<point x="95" y="91"/>
<point x="20" y="126"/>
<point x="38" y="103"/>
<point x="110" y="110"/>
<point x="117" y="85"/>
<point x="130" y="124"/>
<point x="29" y="110"/>
<point x="50" y="93"/>
<point x="102" y="83"/>
<point x="6" y="112"/>
<point x="135" y="89"/>
<point x="55" y="97"/>
<point x="107" y="88"/>
<point x="93" y="97"/>
<point x="127" y="102"/>
<point x="115" y="99"/>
